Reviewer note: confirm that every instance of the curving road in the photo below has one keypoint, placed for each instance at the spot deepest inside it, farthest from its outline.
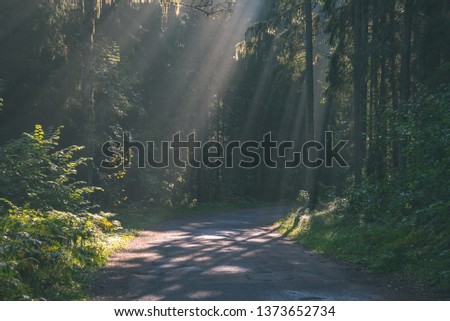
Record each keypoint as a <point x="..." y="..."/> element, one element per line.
<point x="230" y="256"/>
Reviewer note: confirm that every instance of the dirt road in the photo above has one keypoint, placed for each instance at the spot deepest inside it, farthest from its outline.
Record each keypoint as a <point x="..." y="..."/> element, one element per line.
<point x="230" y="256"/>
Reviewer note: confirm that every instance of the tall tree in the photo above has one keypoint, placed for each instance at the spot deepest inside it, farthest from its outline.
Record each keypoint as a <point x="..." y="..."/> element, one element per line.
<point x="360" y="63"/>
<point x="309" y="81"/>
<point x="91" y="12"/>
<point x="405" y="62"/>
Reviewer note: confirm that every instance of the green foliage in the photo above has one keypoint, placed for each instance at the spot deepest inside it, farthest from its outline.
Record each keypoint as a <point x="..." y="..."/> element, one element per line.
<point x="382" y="248"/>
<point x="400" y="223"/>
<point x="43" y="253"/>
<point x="426" y="126"/>
<point x="36" y="174"/>
<point x="418" y="192"/>
<point x="303" y="198"/>
<point x="412" y="202"/>
<point x="48" y="237"/>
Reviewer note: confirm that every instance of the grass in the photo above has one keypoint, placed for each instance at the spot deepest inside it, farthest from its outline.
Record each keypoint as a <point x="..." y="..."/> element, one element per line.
<point x="379" y="247"/>
<point x="77" y="289"/>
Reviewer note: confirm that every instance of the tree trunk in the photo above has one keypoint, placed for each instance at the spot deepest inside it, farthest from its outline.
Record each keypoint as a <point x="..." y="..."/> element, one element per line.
<point x="374" y="95"/>
<point x="405" y="72"/>
<point x="309" y="79"/>
<point x="393" y="86"/>
<point x="87" y="132"/>
<point x="360" y="62"/>
<point x="381" y="130"/>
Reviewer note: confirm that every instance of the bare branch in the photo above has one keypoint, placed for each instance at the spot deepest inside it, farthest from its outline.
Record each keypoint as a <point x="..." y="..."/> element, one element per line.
<point x="207" y="7"/>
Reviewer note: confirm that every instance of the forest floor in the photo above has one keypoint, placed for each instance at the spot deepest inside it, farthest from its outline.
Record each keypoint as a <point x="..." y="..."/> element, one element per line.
<point x="234" y="255"/>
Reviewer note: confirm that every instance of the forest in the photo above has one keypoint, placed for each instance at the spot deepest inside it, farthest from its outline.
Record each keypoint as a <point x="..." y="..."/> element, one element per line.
<point x="84" y="81"/>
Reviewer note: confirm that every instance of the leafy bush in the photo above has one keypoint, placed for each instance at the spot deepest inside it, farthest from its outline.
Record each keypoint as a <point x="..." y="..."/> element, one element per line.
<point x="48" y="235"/>
<point x="35" y="173"/>
<point x="398" y="224"/>
<point x="303" y="198"/>
<point x="411" y="204"/>
<point x="42" y="252"/>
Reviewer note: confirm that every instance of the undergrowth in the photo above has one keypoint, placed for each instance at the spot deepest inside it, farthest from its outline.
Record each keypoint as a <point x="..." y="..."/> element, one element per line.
<point x="388" y="248"/>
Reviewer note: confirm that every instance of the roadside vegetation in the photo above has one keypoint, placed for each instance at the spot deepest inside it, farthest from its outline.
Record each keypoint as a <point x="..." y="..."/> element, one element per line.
<point x="374" y="73"/>
<point x="51" y="234"/>
<point x="398" y="224"/>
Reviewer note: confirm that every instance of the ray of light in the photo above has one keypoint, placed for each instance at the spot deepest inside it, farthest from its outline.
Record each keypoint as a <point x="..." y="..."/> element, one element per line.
<point x="216" y="45"/>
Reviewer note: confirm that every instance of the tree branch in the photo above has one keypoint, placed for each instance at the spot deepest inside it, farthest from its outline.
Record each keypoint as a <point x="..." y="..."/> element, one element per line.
<point x="207" y="7"/>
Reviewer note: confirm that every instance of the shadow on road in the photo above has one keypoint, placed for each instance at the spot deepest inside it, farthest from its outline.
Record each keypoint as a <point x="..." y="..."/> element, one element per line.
<point x="228" y="256"/>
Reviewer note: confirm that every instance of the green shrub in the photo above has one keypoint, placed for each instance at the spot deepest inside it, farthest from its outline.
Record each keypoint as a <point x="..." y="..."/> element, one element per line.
<point x="399" y="223"/>
<point x="41" y="253"/>
<point x="48" y="237"/>
<point x="33" y="172"/>
<point x="410" y="206"/>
